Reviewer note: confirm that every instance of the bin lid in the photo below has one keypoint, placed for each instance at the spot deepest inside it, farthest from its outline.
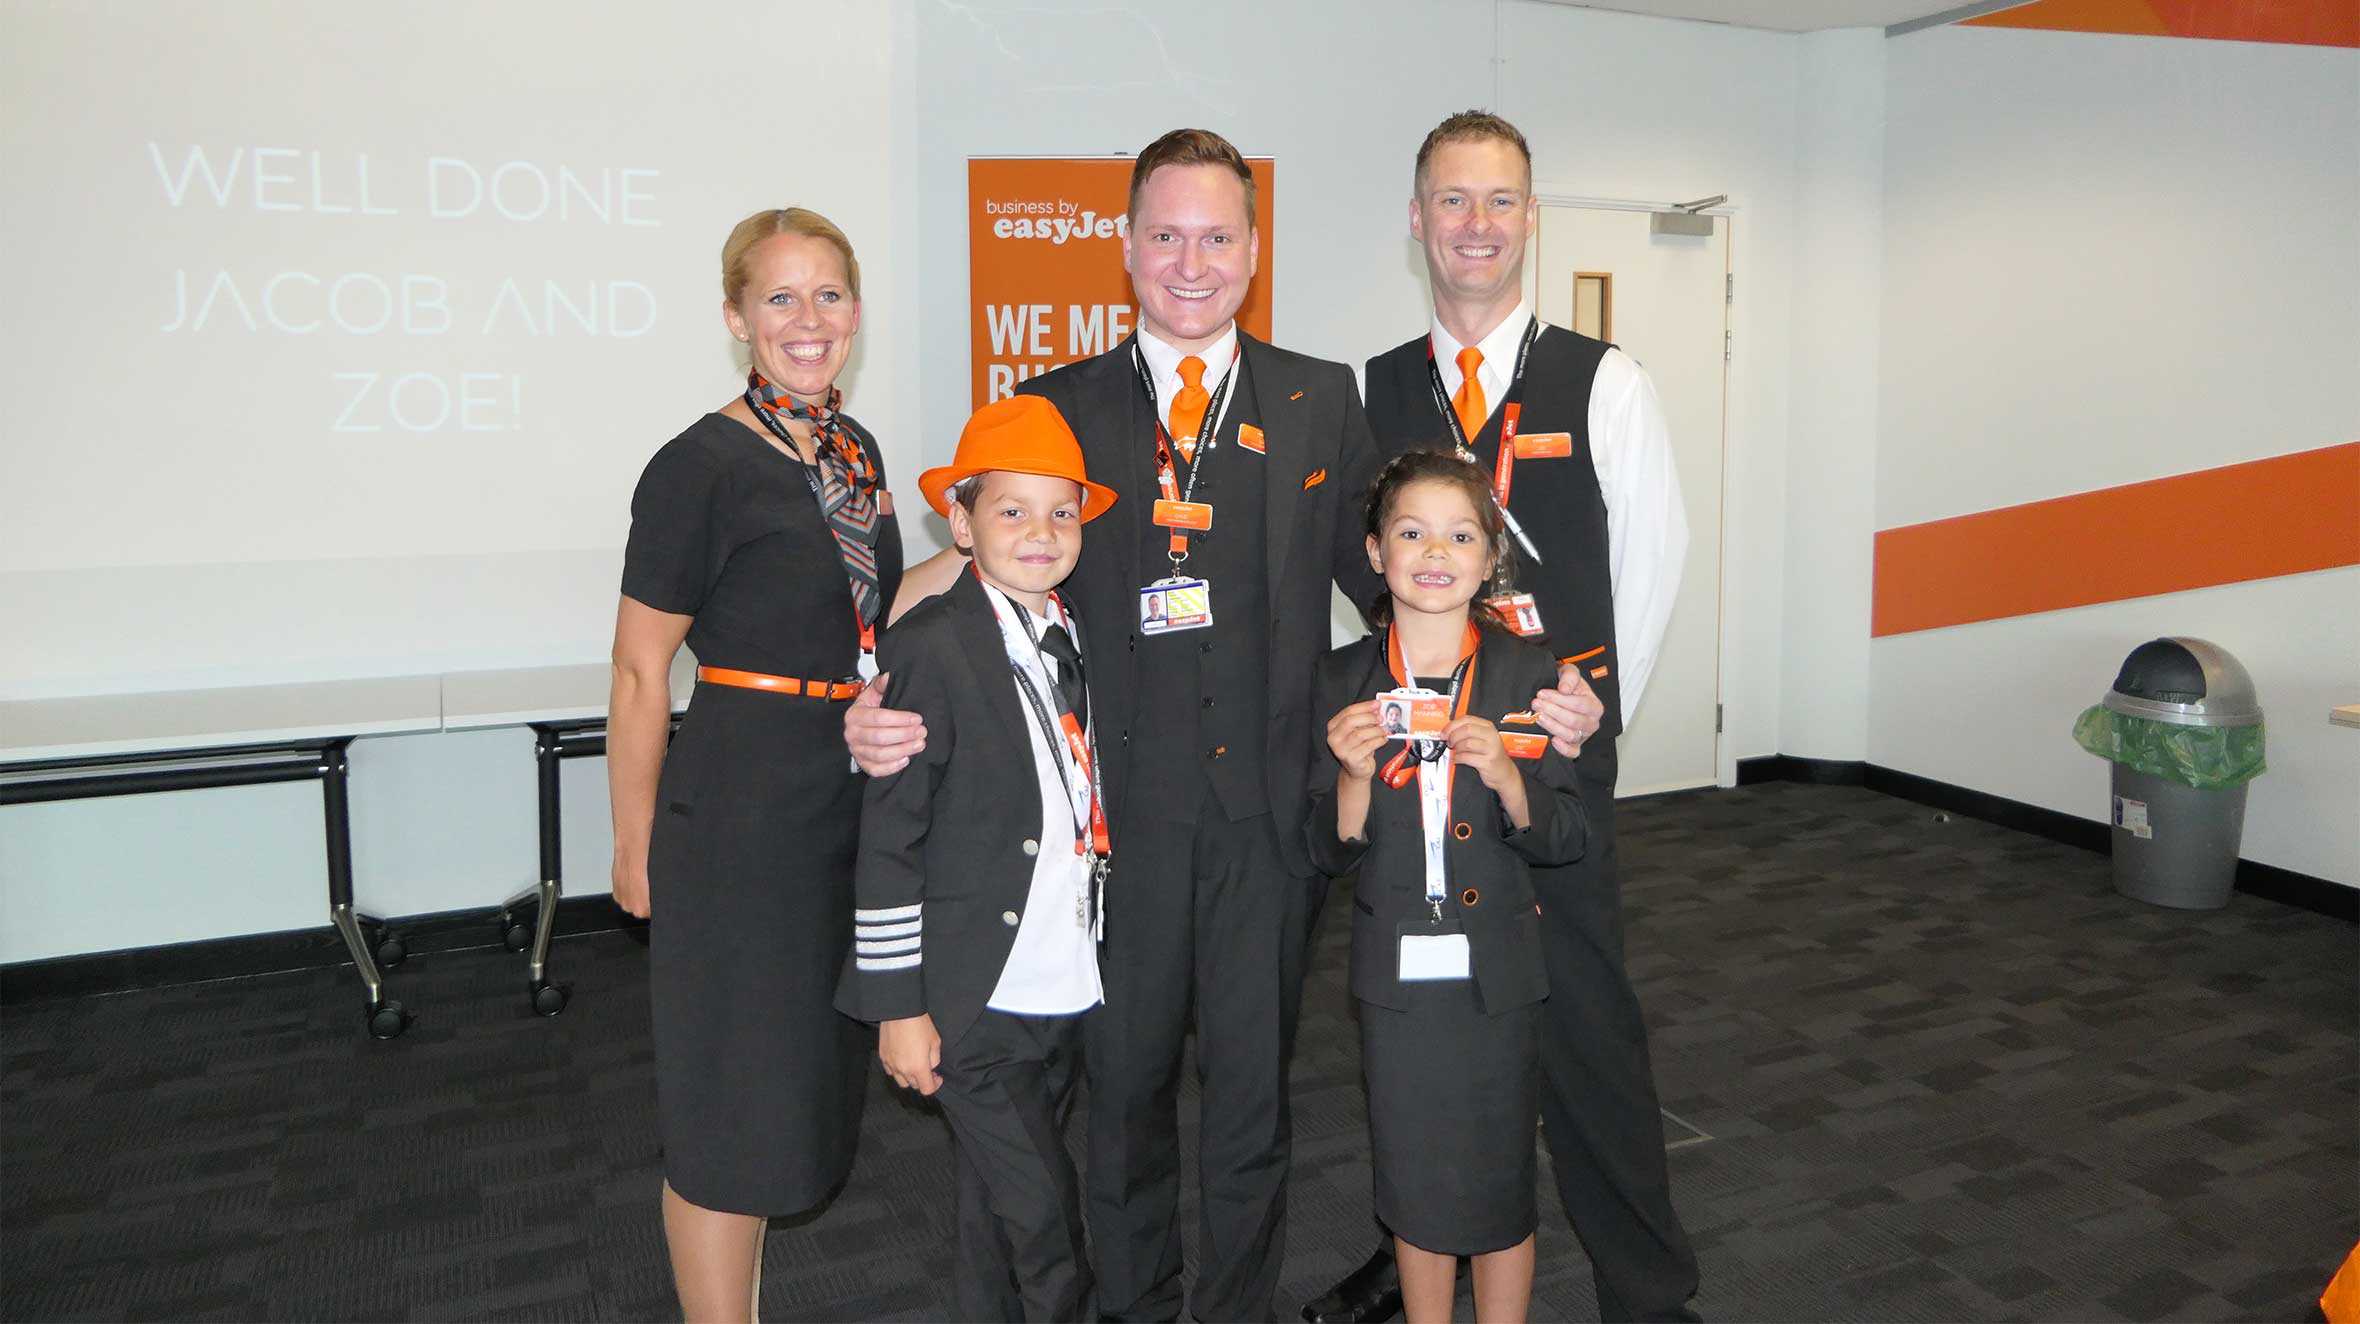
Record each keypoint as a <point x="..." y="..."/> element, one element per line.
<point x="2185" y="682"/>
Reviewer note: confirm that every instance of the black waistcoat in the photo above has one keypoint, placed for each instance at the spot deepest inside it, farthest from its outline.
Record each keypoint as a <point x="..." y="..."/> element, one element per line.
<point x="1558" y="501"/>
<point x="1202" y="694"/>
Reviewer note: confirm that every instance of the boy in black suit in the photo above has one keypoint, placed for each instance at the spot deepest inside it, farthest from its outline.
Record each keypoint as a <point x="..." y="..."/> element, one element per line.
<point x="978" y="888"/>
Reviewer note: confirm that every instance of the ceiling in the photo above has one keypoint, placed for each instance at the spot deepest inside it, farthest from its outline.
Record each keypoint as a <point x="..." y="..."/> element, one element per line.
<point x="1789" y="15"/>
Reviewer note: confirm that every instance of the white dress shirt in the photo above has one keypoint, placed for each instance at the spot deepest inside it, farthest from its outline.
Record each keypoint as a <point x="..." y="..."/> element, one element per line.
<point x="1163" y="364"/>
<point x="1646" y="524"/>
<point x="1053" y="968"/>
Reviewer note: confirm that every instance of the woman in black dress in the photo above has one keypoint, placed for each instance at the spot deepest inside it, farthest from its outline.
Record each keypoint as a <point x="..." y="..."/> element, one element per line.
<point x="764" y="537"/>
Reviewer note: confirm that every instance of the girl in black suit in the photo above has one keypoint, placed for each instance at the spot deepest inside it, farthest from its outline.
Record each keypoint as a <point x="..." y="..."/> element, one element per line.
<point x="1446" y="958"/>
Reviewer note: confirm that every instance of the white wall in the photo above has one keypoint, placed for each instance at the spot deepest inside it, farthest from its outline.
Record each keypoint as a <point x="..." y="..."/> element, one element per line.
<point x="2109" y="259"/>
<point x="1832" y="448"/>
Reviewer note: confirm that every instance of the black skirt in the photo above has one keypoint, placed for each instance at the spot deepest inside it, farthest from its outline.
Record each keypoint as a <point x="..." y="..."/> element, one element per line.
<point x="1453" y="1112"/>
<point x="758" y="1078"/>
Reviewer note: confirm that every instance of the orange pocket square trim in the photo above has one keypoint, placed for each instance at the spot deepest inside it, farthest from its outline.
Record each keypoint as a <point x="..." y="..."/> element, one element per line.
<point x="1317" y="477"/>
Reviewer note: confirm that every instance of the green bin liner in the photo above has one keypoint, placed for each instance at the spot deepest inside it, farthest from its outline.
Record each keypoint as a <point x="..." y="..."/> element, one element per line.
<point x="2209" y="758"/>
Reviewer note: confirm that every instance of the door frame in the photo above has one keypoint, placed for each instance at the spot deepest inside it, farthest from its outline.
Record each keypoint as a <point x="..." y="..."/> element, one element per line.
<point x="1724" y="661"/>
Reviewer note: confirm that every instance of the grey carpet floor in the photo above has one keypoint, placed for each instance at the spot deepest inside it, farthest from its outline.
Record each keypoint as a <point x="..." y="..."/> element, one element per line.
<point x="1921" y="1070"/>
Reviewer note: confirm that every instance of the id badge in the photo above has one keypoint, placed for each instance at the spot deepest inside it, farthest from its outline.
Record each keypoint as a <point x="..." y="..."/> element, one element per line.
<point x="1183" y="515"/>
<point x="1519" y="612"/>
<point x="1430" y="951"/>
<point x="1544" y="445"/>
<point x="1171" y="605"/>
<point x="1410" y="713"/>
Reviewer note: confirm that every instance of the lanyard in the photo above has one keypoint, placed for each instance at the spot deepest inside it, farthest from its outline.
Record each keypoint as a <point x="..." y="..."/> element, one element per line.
<point x="1167" y="485"/>
<point x="868" y="629"/>
<point x="1066" y="738"/>
<point x="1503" y="470"/>
<point x="1435" y="774"/>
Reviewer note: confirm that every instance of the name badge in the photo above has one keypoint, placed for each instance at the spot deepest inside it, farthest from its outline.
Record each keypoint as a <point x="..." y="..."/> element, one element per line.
<point x="1432" y="956"/>
<point x="1170" y="605"/>
<point x="1183" y="514"/>
<point x="1543" y="445"/>
<point x="1524" y="744"/>
<point x="1518" y="612"/>
<point x="1250" y="437"/>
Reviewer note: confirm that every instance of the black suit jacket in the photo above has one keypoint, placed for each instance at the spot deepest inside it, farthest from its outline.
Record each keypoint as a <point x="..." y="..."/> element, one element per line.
<point x="946" y="844"/>
<point x="1503" y="926"/>
<point x="1321" y="464"/>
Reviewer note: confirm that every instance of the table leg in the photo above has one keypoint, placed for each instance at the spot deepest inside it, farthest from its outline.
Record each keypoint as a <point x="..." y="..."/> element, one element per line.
<point x="386" y="1018"/>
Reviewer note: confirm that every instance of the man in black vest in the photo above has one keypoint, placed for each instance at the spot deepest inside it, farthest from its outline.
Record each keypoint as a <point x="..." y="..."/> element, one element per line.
<point x="1570" y="431"/>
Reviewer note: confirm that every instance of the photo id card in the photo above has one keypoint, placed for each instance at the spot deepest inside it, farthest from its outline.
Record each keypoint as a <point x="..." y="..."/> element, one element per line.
<point x="1413" y="714"/>
<point x="1170" y="605"/>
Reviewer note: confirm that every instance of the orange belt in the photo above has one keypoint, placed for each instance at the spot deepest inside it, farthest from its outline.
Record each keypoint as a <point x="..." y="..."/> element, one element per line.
<point x="835" y="691"/>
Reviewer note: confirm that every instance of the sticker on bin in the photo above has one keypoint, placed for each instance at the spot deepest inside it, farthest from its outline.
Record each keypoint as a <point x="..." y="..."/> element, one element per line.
<point x="2131" y="815"/>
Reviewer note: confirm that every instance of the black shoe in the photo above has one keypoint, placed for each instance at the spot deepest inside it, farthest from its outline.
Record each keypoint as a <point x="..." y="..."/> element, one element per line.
<point x="1367" y="1295"/>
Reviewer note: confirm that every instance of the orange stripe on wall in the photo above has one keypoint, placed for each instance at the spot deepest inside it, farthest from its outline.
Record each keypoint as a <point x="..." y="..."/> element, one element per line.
<point x="2286" y="22"/>
<point x="2280" y="516"/>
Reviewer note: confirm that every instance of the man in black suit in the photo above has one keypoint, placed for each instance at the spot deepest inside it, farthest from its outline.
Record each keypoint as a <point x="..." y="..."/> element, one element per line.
<point x="1570" y="430"/>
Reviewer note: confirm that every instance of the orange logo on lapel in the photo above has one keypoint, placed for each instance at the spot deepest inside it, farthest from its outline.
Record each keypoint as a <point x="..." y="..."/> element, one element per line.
<point x="1296" y="396"/>
<point x="1317" y="477"/>
<point x="1250" y="437"/>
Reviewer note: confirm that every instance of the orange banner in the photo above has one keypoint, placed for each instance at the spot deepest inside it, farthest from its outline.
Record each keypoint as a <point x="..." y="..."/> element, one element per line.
<point x="2281" y="516"/>
<point x="1045" y="279"/>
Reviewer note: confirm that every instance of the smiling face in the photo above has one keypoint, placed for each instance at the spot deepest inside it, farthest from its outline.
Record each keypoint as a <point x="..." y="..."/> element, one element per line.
<point x="798" y="314"/>
<point x="1025" y="531"/>
<point x="1473" y="214"/>
<point x="1190" y="251"/>
<point x="1432" y="549"/>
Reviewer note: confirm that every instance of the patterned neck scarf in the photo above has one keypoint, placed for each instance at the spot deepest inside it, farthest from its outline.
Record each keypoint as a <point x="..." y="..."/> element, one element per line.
<point x="843" y="480"/>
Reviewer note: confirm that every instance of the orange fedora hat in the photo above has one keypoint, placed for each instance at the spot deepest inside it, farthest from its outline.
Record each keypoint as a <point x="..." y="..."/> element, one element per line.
<point x="1022" y="434"/>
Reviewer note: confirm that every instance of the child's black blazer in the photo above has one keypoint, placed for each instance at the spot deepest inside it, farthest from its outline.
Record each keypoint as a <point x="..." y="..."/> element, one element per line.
<point x="1503" y="921"/>
<point x="946" y="844"/>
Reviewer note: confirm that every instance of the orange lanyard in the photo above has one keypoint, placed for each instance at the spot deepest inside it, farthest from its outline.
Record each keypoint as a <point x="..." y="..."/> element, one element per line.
<point x="1067" y="734"/>
<point x="1166" y="481"/>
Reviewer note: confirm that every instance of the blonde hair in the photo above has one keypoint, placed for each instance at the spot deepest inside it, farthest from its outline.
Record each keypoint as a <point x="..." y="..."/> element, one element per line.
<point x="776" y="221"/>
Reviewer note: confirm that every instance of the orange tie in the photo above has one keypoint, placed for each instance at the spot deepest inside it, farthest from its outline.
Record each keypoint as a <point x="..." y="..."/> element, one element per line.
<point x="1469" y="403"/>
<point x="1188" y="407"/>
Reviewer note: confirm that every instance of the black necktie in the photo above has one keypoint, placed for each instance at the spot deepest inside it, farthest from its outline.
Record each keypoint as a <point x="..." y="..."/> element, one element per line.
<point x="1073" y="693"/>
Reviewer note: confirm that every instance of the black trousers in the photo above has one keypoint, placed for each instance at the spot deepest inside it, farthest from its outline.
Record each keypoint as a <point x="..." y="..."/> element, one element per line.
<point x="1598" y="1106"/>
<point x="1005" y="1084"/>
<point x="1204" y="925"/>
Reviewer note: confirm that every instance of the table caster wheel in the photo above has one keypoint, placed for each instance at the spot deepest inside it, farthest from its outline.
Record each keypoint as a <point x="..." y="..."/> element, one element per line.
<point x="548" y="999"/>
<point x="387" y="1020"/>
<point x="515" y="934"/>
<point x="391" y="951"/>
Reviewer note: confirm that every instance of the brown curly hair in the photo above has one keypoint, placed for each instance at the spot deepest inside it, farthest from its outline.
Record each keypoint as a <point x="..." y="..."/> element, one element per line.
<point x="1442" y="465"/>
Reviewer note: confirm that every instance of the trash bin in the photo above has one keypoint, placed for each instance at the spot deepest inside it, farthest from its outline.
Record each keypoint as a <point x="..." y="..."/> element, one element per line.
<point x="2183" y="728"/>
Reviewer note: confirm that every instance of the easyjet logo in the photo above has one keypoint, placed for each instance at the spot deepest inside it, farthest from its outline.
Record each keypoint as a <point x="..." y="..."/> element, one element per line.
<point x="1069" y="222"/>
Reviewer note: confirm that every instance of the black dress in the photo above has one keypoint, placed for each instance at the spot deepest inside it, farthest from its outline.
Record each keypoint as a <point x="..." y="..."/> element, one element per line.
<point x="758" y="1078"/>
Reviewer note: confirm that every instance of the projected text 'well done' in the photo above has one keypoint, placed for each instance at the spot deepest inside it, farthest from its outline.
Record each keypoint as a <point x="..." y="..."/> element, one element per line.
<point x="448" y="208"/>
